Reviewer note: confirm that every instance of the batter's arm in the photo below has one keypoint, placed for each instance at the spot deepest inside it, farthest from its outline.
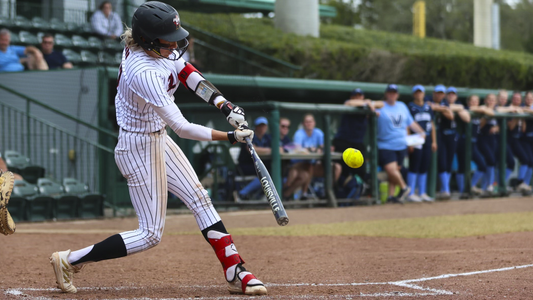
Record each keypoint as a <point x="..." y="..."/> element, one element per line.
<point x="196" y="83"/>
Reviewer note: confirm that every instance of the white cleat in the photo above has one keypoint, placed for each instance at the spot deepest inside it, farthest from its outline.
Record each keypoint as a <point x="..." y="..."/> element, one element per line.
<point x="414" y="198"/>
<point x="427" y="198"/>
<point x="64" y="271"/>
<point x="476" y="191"/>
<point x="523" y="187"/>
<point x="246" y="283"/>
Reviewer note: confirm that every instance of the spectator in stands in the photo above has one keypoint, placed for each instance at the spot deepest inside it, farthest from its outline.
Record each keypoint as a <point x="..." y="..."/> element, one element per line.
<point x="516" y="128"/>
<point x="352" y="131"/>
<point x="420" y="156"/>
<point x="55" y="59"/>
<point x="488" y="142"/>
<point x="503" y="98"/>
<point x="16" y="58"/>
<point x="262" y="144"/>
<point x="308" y="139"/>
<point x="393" y="121"/>
<point x="285" y="139"/>
<point x="107" y="23"/>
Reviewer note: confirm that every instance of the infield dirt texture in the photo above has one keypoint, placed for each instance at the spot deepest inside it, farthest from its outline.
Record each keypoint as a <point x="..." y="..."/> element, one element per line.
<point x="478" y="249"/>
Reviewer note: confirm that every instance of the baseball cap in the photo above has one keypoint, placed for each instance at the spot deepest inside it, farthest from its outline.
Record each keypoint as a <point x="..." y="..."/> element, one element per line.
<point x="391" y="88"/>
<point x="261" y="120"/>
<point x="439" y="88"/>
<point x="419" y="87"/>
<point x="357" y="91"/>
<point x="451" y="90"/>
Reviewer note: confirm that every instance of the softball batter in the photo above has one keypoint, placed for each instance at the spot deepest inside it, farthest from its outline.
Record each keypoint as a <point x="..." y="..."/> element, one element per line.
<point x="151" y="162"/>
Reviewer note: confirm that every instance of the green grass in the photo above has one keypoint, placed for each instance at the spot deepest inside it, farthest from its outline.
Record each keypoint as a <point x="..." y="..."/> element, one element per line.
<point x="428" y="227"/>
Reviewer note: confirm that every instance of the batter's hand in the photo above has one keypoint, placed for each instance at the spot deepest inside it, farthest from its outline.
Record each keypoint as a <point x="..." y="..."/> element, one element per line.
<point x="234" y="114"/>
<point x="241" y="134"/>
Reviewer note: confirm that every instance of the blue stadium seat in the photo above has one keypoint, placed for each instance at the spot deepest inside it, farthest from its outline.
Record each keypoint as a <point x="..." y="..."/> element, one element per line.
<point x="40" y="208"/>
<point x="74" y="187"/>
<point x="24" y="189"/>
<point x="5" y="22"/>
<point x="72" y="27"/>
<point x="106" y="58"/>
<point x="14" y="159"/>
<point x="15" y="40"/>
<point x="17" y="208"/>
<point x="66" y="207"/>
<point x="22" y="22"/>
<point x="112" y="45"/>
<point x="32" y="173"/>
<point x="91" y="206"/>
<point x="118" y="58"/>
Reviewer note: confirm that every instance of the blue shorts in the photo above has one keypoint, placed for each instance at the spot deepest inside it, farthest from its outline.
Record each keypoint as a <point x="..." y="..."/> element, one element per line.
<point x="385" y="157"/>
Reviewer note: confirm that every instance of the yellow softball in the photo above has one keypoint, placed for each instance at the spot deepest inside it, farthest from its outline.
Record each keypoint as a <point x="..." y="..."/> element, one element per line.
<point x="353" y="158"/>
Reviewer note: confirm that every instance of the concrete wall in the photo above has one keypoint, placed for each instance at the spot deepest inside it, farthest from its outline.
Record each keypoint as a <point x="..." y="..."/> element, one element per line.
<point x="298" y="16"/>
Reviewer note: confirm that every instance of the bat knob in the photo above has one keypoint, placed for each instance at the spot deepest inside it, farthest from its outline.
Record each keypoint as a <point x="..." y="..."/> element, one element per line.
<point x="283" y="221"/>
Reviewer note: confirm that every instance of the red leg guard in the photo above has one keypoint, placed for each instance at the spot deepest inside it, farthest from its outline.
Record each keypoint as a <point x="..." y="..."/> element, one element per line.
<point x="245" y="281"/>
<point x="225" y="250"/>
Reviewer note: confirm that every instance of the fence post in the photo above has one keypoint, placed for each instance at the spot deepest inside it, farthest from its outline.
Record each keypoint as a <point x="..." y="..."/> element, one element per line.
<point x="373" y="139"/>
<point x="28" y="135"/>
<point x="502" y="185"/>
<point x="432" y="180"/>
<point x="328" y="174"/>
<point x="275" y="163"/>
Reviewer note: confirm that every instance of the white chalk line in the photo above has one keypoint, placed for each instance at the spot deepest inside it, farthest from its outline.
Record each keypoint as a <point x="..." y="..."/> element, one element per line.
<point x="400" y="283"/>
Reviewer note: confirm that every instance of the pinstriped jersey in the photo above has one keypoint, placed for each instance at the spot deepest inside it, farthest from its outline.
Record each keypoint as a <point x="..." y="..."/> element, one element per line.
<point x="144" y="81"/>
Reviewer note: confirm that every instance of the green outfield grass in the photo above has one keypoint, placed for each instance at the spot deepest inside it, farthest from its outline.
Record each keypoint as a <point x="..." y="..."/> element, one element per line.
<point x="429" y="227"/>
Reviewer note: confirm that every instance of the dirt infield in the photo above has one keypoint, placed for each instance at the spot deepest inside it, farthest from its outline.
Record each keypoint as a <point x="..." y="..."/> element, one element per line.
<point x="183" y="266"/>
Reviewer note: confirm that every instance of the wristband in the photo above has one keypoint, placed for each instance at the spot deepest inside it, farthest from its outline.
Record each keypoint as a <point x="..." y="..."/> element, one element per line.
<point x="231" y="137"/>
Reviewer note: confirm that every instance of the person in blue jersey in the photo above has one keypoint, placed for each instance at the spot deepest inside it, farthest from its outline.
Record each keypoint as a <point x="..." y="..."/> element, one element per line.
<point x="420" y="156"/>
<point x="527" y="137"/>
<point x="487" y="143"/>
<point x="262" y="145"/>
<point x="393" y="121"/>
<point x="352" y="130"/>
<point x="17" y="58"/>
<point x="446" y="136"/>
<point x="476" y="156"/>
<point x="516" y="128"/>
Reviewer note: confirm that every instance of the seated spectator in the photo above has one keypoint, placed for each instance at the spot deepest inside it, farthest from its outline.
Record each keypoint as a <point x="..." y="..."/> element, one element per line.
<point x="308" y="139"/>
<point x="13" y="58"/>
<point x="393" y="121"/>
<point x="107" y="23"/>
<point x="54" y="59"/>
<point x="261" y="142"/>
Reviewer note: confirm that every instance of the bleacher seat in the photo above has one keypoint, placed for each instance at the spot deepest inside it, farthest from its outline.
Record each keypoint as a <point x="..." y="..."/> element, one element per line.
<point x="14" y="159"/>
<point x="91" y="206"/>
<point x="32" y="173"/>
<point x="72" y="56"/>
<point x="15" y="40"/>
<point x="106" y="58"/>
<point x="74" y="187"/>
<point x="118" y="58"/>
<point x="21" y="22"/>
<point x="72" y="27"/>
<point x="87" y="57"/>
<point x="62" y="41"/>
<point x="17" y="208"/>
<point x="49" y="188"/>
<point x="80" y="42"/>
<point x="86" y="29"/>
<point x="28" y="38"/>
<point x="39" y="23"/>
<point x="112" y="45"/>
<point x="5" y="22"/>
<point x="58" y="26"/>
<point x="95" y="43"/>
<point x="39" y="208"/>
<point x="24" y="189"/>
<point x="66" y="207"/>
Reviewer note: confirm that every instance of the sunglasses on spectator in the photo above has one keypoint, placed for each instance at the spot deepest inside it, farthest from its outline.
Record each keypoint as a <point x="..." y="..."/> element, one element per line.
<point x="47" y="42"/>
<point x="284" y="126"/>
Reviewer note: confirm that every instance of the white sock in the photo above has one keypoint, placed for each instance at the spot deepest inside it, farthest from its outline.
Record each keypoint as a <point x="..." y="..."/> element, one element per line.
<point x="77" y="255"/>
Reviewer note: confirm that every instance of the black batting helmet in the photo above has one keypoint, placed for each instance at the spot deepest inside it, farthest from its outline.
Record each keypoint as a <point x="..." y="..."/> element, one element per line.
<point x="155" y="20"/>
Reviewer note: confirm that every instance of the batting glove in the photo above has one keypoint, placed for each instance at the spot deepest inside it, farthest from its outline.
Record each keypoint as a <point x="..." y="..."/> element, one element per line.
<point x="239" y="135"/>
<point x="234" y="114"/>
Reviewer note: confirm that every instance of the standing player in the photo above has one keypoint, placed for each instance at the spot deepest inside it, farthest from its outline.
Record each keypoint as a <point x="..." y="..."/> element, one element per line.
<point x="420" y="157"/>
<point x="152" y="162"/>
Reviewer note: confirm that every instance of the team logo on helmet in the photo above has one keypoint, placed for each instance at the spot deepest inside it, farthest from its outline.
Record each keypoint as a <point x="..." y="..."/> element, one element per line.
<point x="176" y="21"/>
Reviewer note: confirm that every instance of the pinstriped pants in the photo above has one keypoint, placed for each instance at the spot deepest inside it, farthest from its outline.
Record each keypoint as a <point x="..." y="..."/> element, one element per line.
<point x="153" y="164"/>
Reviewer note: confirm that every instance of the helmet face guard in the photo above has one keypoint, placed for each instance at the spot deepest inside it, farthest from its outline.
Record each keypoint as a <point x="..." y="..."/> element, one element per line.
<point x="155" y="21"/>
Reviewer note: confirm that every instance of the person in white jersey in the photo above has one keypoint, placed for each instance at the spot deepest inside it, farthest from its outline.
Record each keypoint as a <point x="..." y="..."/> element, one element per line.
<point x="151" y="161"/>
